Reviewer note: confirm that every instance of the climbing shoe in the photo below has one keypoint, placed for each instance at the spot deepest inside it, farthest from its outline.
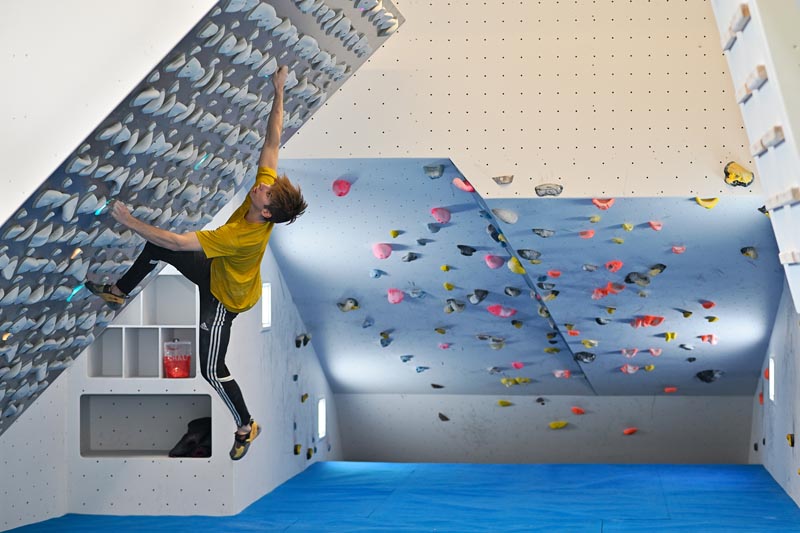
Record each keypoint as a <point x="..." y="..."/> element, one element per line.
<point x="242" y="442"/>
<point x="104" y="291"/>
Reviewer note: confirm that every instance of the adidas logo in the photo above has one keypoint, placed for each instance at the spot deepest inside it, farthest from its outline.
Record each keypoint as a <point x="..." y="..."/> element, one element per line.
<point x="203" y="326"/>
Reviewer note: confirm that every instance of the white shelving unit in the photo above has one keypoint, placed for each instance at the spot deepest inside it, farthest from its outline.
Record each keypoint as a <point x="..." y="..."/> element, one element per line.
<point x="760" y="40"/>
<point x="128" y="405"/>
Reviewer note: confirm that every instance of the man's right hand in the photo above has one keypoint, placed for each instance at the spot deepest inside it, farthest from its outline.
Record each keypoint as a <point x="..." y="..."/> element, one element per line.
<point x="279" y="78"/>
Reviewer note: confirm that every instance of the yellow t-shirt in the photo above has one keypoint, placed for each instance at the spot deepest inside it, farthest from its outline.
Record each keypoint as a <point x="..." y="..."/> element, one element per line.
<point x="237" y="248"/>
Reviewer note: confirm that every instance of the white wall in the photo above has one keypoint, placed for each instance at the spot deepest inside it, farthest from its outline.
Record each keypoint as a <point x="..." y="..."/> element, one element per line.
<point x="681" y="429"/>
<point x="777" y="418"/>
<point x="264" y="364"/>
<point x="65" y="66"/>
<point x="33" y="464"/>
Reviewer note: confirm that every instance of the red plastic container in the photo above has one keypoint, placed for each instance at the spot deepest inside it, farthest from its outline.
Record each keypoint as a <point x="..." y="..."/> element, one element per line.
<point x="177" y="359"/>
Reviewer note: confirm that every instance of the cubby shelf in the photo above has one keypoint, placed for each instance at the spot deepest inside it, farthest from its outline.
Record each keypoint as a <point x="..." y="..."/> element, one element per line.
<point x="129" y="407"/>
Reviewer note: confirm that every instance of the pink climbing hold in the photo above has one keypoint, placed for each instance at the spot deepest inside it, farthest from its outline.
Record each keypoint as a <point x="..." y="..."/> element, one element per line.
<point x="502" y="312"/>
<point x="678" y="249"/>
<point x="563" y="374"/>
<point x="518" y="365"/>
<point x="494" y="261"/>
<point x="630" y="352"/>
<point x="656" y="225"/>
<point x="629" y="369"/>
<point x="444" y="345"/>
<point x="341" y="187"/>
<point x="381" y="250"/>
<point x="395" y="296"/>
<point x="586" y="234"/>
<point x="710" y="339"/>
<point x="603" y="204"/>
<point x="441" y="215"/>
<point x="655" y="352"/>
<point x="463" y="184"/>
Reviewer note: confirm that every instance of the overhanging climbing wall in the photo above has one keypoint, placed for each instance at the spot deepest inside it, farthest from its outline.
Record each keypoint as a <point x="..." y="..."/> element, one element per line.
<point x="176" y="150"/>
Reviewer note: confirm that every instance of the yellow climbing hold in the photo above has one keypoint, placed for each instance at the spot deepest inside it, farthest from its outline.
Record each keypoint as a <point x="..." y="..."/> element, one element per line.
<point x="521" y="380"/>
<point x="394" y="233"/>
<point x="552" y="349"/>
<point x="550" y="297"/>
<point x="618" y="240"/>
<point x="650" y="368"/>
<point x="610" y="310"/>
<point x="552" y="335"/>
<point x="448" y="286"/>
<point x="504" y="403"/>
<point x="508" y="382"/>
<point x="708" y="203"/>
<point x="712" y="318"/>
<point x="670" y="336"/>
<point x="627" y="226"/>
<point x="594" y="219"/>
<point x="589" y="343"/>
<point x="444" y="268"/>
<point x="440" y="331"/>
<point x="535" y="261"/>
<point x="515" y="266"/>
<point x="304" y="397"/>
<point x="686" y="314"/>
<point x="516" y="323"/>
<point x="558" y="424"/>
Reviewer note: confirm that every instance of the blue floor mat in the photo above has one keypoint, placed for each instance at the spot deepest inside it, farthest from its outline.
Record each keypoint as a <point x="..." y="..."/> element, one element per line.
<point x="396" y="497"/>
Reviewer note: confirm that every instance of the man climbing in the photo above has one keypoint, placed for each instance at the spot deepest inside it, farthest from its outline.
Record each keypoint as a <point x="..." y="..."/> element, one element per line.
<point x="224" y="263"/>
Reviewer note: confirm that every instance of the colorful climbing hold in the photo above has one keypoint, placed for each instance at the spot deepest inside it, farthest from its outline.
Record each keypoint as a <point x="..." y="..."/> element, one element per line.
<point x="670" y="336"/>
<point x="629" y="369"/>
<point x="736" y="175"/>
<point x="603" y="203"/>
<point x="629" y="431"/>
<point x="710" y="338"/>
<point x="630" y="352"/>
<point x="708" y="203"/>
<point x="445" y="268"/>
<point x="493" y="261"/>
<point x="655" y="352"/>
<point x="562" y="374"/>
<point x="657" y="226"/>
<point x="341" y="187"/>
<point x="500" y="311"/>
<point x="586" y="234"/>
<point x="441" y="215"/>
<point x="678" y="249"/>
<point x="707" y="304"/>
<point x="395" y="296"/>
<point x="670" y="390"/>
<point x="618" y="240"/>
<point x="750" y="252"/>
<point x="448" y="286"/>
<point x="649" y="368"/>
<point x="395" y="233"/>
<point x="463" y="185"/>
<point x="516" y="323"/>
<point x="558" y="424"/>
<point x="577" y="410"/>
<point x="518" y="365"/>
<point x="594" y="219"/>
<point x="349" y="304"/>
<point x="614" y="265"/>
<point x="627" y="226"/>
<point x="504" y="403"/>
<point x="381" y="250"/>
<point x="515" y="266"/>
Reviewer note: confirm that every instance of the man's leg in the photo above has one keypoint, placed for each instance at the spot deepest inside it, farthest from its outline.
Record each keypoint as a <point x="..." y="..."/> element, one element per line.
<point x="215" y="332"/>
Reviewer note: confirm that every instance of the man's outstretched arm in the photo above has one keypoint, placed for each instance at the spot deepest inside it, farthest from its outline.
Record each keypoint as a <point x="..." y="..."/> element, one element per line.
<point x="166" y="239"/>
<point x="272" y="141"/>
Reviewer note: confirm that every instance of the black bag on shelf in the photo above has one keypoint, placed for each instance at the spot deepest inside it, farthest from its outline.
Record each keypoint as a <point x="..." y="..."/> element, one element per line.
<point x="196" y="442"/>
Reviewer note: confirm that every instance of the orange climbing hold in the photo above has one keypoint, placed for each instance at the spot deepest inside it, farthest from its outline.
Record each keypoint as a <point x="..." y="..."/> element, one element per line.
<point x="614" y="266"/>
<point x="670" y="390"/>
<point x="603" y="203"/>
<point x="577" y="410"/>
<point x="586" y="234"/>
<point x="563" y="374"/>
<point x="629" y="431"/>
<point x="573" y="333"/>
<point x="707" y="304"/>
<point x="554" y="273"/>
<point x="656" y="225"/>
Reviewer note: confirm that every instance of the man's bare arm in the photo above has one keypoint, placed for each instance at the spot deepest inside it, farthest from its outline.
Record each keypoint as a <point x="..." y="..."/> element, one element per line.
<point x="166" y="239"/>
<point x="272" y="140"/>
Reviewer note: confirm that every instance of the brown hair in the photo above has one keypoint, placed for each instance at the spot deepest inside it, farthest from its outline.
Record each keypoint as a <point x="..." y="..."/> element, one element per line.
<point x="287" y="201"/>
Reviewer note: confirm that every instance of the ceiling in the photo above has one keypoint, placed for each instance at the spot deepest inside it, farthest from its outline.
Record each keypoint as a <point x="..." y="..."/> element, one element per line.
<point x="327" y="257"/>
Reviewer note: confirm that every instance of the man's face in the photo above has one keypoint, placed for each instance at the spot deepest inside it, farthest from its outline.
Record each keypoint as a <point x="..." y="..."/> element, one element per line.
<point x="261" y="195"/>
